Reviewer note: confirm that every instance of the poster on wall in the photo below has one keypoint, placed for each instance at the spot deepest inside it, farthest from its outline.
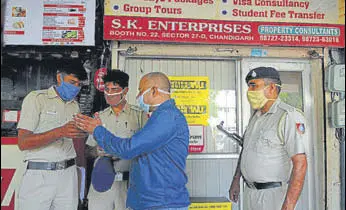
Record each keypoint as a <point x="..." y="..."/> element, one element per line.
<point x="191" y="95"/>
<point x="98" y="79"/>
<point x="196" y="144"/>
<point x="248" y="22"/>
<point x="50" y="22"/>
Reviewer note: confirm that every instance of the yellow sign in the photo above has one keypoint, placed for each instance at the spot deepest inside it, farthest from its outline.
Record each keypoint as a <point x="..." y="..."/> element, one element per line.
<point x="211" y="206"/>
<point x="205" y="203"/>
<point x="287" y="11"/>
<point x="191" y="96"/>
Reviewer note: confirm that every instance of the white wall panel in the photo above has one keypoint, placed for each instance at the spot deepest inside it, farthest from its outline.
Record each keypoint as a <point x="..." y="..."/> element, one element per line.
<point x="221" y="75"/>
<point x="207" y="177"/>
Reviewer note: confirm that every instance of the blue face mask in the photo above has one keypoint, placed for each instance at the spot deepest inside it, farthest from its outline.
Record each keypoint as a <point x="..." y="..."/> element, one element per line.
<point x="146" y="107"/>
<point x="67" y="91"/>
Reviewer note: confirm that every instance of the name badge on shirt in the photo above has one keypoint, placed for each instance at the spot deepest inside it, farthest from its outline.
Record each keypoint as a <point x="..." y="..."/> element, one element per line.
<point x="118" y="176"/>
<point x="51" y="112"/>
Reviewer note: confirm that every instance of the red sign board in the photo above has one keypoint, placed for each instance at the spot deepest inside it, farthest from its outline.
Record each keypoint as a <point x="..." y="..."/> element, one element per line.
<point x="6" y="178"/>
<point x="9" y="140"/>
<point x="98" y="79"/>
<point x="223" y="32"/>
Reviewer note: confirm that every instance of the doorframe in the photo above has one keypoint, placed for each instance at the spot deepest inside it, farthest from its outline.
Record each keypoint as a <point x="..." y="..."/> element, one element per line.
<point x="243" y="65"/>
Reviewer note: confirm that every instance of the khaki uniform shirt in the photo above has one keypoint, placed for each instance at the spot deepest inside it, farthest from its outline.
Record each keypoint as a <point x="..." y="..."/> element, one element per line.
<point x="127" y="123"/>
<point x="42" y="111"/>
<point x="270" y="140"/>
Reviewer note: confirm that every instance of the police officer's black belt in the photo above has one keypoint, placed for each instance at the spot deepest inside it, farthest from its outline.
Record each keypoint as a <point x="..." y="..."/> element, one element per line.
<point x="126" y="175"/>
<point x="51" y="165"/>
<point x="265" y="185"/>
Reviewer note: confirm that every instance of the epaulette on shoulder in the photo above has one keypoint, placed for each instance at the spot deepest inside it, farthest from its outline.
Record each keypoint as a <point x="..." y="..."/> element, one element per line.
<point x="286" y="107"/>
<point x="106" y="110"/>
<point x="300" y="111"/>
<point x="134" y="107"/>
<point x="38" y="92"/>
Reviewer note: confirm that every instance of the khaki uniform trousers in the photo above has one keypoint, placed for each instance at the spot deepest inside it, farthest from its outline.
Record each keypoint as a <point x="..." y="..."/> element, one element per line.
<point x="113" y="199"/>
<point x="49" y="190"/>
<point x="266" y="199"/>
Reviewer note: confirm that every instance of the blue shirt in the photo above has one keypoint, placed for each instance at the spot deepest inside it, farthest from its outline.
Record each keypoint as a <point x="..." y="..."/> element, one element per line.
<point x="159" y="151"/>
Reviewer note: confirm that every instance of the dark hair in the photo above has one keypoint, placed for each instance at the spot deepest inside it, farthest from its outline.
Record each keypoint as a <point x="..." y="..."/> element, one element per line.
<point x="73" y="67"/>
<point x="117" y="77"/>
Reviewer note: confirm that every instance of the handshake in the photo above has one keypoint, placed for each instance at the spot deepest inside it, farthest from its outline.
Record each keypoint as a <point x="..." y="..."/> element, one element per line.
<point x="86" y="123"/>
<point x="79" y="126"/>
<point x="70" y="130"/>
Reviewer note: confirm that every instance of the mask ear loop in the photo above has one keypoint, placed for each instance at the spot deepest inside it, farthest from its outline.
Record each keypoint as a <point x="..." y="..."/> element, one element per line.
<point x="163" y="91"/>
<point x="146" y="91"/>
<point x="272" y="99"/>
<point x="61" y="78"/>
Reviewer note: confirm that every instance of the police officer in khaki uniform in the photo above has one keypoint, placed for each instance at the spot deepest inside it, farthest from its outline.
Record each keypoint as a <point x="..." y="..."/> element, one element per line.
<point x="45" y="134"/>
<point x="122" y="119"/>
<point x="273" y="160"/>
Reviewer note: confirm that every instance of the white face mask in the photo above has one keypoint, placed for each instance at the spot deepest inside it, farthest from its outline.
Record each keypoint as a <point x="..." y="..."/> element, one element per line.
<point x="112" y="94"/>
<point x="110" y="97"/>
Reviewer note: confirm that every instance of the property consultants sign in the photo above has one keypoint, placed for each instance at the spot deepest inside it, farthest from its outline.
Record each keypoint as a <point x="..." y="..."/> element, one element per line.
<point x="250" y="22"/>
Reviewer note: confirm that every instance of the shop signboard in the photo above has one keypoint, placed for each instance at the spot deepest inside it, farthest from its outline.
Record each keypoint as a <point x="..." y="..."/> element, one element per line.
<point x="50" y="22"/>
<point x="246" y="22"/>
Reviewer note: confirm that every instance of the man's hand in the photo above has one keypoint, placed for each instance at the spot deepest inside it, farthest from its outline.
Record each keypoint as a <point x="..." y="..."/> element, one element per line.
<point x="288" y="206"/>
<point x="70" y="130"/>
<point x="296" y="182"/>
<point x="234" y="190"/>
<point x="86" y="123"/>
<point x="101" y="152"/>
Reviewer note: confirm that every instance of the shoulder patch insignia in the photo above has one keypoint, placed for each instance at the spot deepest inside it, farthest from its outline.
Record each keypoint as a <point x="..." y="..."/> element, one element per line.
<point x="300" y="127"/>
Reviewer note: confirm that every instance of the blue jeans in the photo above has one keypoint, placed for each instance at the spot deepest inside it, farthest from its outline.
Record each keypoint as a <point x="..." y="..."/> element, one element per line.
<point x="181" y="208"/>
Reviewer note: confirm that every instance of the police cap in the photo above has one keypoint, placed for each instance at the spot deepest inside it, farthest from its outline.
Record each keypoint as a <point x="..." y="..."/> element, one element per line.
<point x="263" y="72"/>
